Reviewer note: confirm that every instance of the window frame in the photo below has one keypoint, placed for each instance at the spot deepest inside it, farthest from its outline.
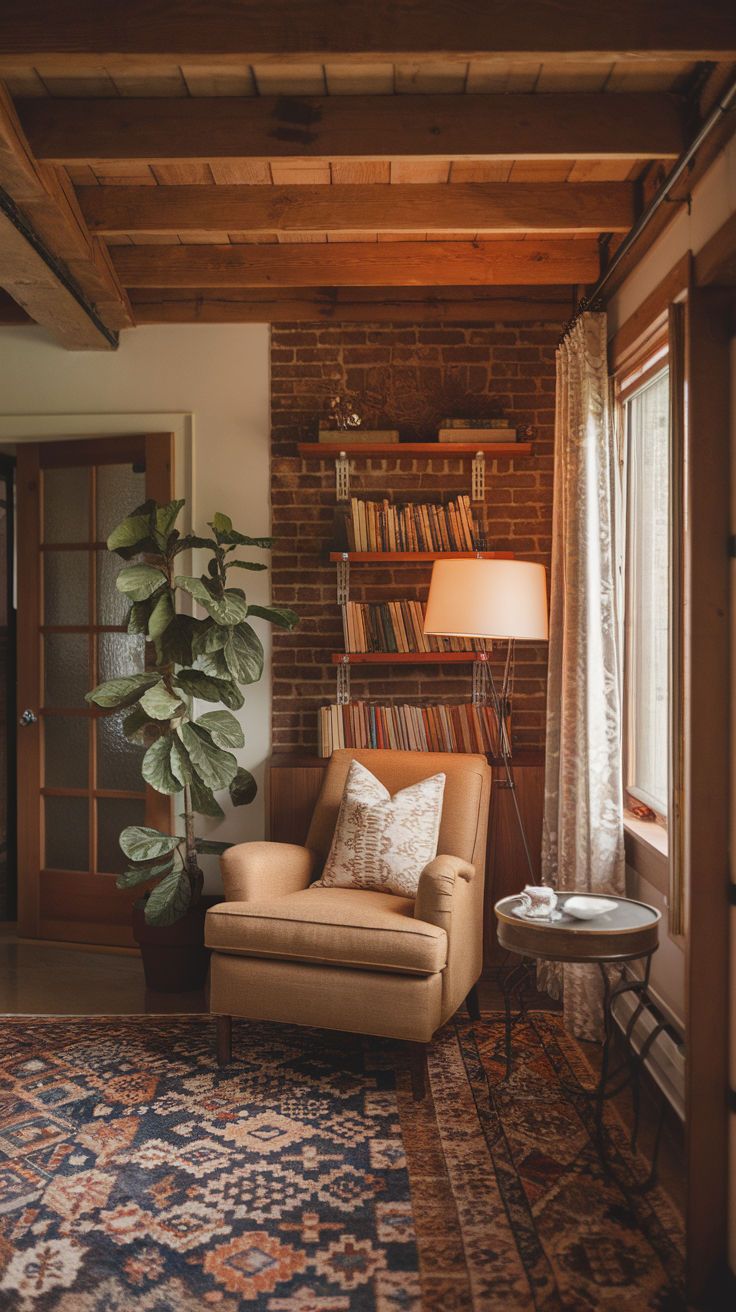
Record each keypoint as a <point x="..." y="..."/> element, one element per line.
<point x="652" y="362"/>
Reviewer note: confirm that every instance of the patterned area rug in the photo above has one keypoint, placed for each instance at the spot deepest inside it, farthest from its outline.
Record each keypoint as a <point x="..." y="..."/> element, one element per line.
<point x="136" y="1177"/>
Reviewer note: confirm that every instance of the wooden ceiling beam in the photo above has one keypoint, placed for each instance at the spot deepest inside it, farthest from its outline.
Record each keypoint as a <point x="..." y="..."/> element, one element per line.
<point x="44" y="229"/>
<point x="359" y="264"/>
<point x="354" y="305"/>
<point x="470" y="127"/>
<point x="462" y="207"/>
<point x="256" y="31"/>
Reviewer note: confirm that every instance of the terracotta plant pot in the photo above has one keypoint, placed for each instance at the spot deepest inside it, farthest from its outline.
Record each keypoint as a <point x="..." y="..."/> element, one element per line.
<point x="175" y="959"/>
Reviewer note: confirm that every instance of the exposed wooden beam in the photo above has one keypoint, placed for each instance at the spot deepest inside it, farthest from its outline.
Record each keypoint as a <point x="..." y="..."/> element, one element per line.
<point x="472" y="207"/>
<point x="477" y="127"/>
<point x="43" y="205"/>
<point x="355" y="305"/>
<point x="11" y="312"/>
<point x="363" y="30"/>
<point x="360" y="264"/>
<point x="715" y="262"/>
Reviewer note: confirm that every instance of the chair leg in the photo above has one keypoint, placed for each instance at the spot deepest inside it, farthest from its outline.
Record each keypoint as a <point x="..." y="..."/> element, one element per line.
<point x="418" y="1065"/>
<point x="224" y="1040"/>
<point x="472" y="1003"/>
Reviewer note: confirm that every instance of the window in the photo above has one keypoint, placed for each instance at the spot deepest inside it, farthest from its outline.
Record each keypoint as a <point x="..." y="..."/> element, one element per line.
<point x="646" y="674"/>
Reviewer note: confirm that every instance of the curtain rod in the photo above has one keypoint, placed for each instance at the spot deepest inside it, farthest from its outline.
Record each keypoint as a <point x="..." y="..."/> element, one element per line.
<point x="593" y="300"/>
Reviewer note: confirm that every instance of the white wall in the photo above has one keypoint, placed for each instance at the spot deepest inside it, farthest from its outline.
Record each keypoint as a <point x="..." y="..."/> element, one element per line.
<point x="210" y="384"/>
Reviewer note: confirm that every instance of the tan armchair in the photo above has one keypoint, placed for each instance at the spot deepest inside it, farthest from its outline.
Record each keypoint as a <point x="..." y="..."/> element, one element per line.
<point x="351" y="959"/>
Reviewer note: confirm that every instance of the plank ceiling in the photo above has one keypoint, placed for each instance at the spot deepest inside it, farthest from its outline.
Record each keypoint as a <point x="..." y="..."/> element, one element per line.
<point x="211" y="185"/>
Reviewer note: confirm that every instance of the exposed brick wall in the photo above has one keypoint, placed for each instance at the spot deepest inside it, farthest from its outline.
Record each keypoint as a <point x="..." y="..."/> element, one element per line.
<point x="410" y="378"/>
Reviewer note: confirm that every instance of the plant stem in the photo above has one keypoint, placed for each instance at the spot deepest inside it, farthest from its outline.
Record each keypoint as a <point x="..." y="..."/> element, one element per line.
<point x="189" y="829"/>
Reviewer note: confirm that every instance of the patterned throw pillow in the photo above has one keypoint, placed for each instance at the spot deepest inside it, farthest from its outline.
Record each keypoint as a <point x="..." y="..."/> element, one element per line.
<point x="383" y="842"/>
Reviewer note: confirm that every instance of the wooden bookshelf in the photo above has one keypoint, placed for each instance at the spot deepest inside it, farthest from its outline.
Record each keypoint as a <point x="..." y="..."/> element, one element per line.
<point x="407" y="657"/>
<point x="416" y="557"/>
<point x="331" y="450"/>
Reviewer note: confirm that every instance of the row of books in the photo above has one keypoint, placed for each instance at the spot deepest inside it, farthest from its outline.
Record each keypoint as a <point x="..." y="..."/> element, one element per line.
<point x="460" y="728"/>
<point x="414" y="526"/>
<point x="397" y="626"/>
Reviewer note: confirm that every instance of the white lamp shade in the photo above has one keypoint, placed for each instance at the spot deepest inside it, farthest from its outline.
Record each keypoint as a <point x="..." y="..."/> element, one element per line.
<point x="488" y="599"/>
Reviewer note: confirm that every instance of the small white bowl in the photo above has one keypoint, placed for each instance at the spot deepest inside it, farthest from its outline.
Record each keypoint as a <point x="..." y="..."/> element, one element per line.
<point x="587" y="908"/>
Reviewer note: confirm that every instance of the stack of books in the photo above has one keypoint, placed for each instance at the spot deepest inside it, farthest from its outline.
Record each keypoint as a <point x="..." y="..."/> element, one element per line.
<point x="476" y="430"/>
<point x="397" y="626"/>
<point x="461" y="728"/>
<point x="415" y="526"/>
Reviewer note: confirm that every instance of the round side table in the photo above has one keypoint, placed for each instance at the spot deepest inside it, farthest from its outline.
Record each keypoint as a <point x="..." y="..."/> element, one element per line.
<point x="629" y="932"/>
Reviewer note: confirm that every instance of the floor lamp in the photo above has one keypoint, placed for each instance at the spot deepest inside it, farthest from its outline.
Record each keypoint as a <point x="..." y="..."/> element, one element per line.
<point x="503" y="600"/>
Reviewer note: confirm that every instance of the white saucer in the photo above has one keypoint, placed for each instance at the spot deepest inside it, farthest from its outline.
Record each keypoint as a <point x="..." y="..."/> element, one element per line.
<point x="522" y="913"/>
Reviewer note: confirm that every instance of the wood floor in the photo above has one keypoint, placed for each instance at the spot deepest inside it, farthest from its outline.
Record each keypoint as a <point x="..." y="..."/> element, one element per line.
<point x="41" y="979"/>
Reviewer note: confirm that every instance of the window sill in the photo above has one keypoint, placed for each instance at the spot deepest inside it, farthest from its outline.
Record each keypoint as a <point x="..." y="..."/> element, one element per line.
<point x="647" y="850"/>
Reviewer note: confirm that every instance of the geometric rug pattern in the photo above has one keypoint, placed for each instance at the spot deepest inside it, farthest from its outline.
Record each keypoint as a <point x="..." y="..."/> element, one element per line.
<point x="137" y="1177"/>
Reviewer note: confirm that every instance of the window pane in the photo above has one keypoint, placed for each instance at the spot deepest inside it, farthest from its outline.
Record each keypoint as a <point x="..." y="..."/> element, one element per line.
<point x="66" y="587"/>
<point x="112" y="606"/>
<point x="66" y="740"/>
<point x="66" y="661"/>
<point x="66" y="505"/>
<point x="119" y="490"/>
<point x="118" y="759"/>
<point x="67" y="833"/>
<point x="113" y="816"/>
<point x="648" y="599"/>
<point x="119" y="654"/>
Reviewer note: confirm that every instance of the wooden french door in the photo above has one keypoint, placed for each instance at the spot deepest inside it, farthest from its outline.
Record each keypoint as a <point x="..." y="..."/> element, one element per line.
<point x="79" y="780"/>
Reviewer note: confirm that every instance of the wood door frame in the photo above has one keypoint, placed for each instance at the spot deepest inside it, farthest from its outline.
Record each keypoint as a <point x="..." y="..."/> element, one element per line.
<point x="157" y="451"/>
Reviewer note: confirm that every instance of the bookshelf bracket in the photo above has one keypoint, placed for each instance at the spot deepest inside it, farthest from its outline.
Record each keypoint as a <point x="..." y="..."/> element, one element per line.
<point x="478" y="481"/>
<point x="343" y="579"/>
<point x="342" y="477"/>
<point x="480" y="682"/>
<point x="343" y="682"/>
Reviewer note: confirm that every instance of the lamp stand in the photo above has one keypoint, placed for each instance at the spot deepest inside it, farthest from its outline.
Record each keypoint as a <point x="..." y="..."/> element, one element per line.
<point x="501" y="703"/>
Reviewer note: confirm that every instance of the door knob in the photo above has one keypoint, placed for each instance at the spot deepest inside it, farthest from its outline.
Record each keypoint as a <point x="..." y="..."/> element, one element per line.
<point x="28" y="717"/>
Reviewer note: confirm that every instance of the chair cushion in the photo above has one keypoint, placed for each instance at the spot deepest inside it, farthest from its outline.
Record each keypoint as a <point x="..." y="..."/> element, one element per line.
<point x="339" y="926"/>
<point x="383" y="842"/>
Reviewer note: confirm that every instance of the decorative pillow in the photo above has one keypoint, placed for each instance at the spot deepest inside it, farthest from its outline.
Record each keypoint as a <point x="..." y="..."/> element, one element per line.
<point x="382" y="842"/>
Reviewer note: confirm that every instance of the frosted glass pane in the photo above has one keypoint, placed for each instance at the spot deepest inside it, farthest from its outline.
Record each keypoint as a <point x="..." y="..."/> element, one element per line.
<point x="118" y="760"/>
<point x="66" y="751"/>
<point x="67" y="833"/>
<point x="66" y="505"/>
<point x="66" y="587"/>
<point x="119" y="490"/>
<point x="113" y="815"/>
<point x="112" y="606"/>
<point x="120" y="654"/>
<point x="67" y="669"/>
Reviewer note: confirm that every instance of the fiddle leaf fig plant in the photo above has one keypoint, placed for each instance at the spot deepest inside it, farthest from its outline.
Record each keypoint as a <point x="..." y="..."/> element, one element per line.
<point x="207" y="659"/>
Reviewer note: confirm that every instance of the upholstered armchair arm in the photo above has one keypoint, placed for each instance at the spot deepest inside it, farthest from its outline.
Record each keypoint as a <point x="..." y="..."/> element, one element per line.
<point x="253" y="870"/>
<point x="436" y="893"/>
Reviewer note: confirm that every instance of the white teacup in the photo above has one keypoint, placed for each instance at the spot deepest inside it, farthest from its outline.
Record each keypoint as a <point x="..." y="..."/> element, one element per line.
<point x="538" y="901"/>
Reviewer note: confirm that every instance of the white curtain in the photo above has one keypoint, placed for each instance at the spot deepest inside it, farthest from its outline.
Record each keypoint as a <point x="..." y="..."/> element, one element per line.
<point x="582" y="837"/>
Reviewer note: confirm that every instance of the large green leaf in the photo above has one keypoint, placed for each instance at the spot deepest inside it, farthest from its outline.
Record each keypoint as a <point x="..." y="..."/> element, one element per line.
<point x="208" y="847"/>
<point x="133" y="533"/>
<point x="280" y="615"/>
<point x="243" y="788"/>
<point x="135" y="722"/>
<point x="161" y="615"/>
<point x="203" y="800"/>
<point x="210" y="689"/>
<point x="180" y="764"/>
<point x="140" y="581"/>
<point x="213" y="766"/>
<point x="220" y="524"/>
<point x="210" y="637"/>
<point x="140" y="843"/>
<point x="191" y="541"/>
<point x="245" y="564"/>
<point x="169" y="900"/>
<point x="121" y="692"/>
<point x="234" y="539"/>
<point x="243" y="652"/>
<point x="223" y="728"/>
<point x="159" y="703"/>
<point x="166" y="517"/>
<point x="230" y="608"/>
<point x="138" y="616"/>
<point x="156" y="767"/>
<point x="140" y="874"/>
<point x="177" y="639"/>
